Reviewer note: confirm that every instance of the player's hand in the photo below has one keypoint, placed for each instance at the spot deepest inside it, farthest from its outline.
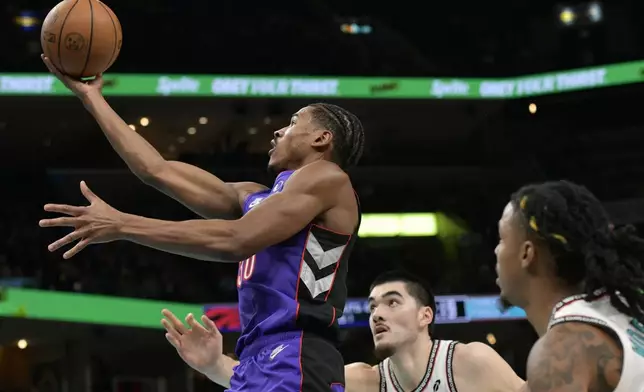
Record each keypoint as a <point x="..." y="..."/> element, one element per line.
<point x="78" y="87"/>
<point x="93" y="224"/>
<point x="199" y="346"/>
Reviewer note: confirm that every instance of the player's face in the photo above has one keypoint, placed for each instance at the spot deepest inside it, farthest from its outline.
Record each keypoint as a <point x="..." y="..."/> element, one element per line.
<point x="514" y="253"/>
<point x="396" y="318"/>
<point x="293" y="143"/>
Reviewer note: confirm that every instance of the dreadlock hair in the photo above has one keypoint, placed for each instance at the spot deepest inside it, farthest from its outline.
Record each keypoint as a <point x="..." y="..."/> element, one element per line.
<point x="588" y="250"/>
<point x="418" y="288"/>
<point x="348" y="134"/>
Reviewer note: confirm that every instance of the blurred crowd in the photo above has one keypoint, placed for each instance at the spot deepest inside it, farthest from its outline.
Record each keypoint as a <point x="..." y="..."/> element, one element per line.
<point x="306" y="38"/>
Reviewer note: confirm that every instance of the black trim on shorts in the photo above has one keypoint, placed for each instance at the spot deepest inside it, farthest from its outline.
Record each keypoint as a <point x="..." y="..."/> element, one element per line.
<point x="321" y="364"/>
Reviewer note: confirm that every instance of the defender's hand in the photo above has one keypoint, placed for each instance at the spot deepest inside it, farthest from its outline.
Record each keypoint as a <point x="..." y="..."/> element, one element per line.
<point x="199" y="346"/>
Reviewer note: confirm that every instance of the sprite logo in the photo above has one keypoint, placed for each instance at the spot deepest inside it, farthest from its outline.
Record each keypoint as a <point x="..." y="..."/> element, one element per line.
<point x="182" y="85"/>
<point x="449" y="88"/>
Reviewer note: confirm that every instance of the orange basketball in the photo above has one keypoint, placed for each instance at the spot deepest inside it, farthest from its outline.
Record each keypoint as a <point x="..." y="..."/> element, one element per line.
<point x="81" y="37"/>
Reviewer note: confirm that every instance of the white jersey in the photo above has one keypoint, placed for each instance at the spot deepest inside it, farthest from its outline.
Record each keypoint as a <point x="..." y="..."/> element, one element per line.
<point x="603" y="315"/>
<point x="438" y="376"/>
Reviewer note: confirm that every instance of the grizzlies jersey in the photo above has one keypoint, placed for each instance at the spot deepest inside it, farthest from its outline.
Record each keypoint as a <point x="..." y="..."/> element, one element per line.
<point x="438" y="377"/>
<point x="627" y="330"/>
<point x="296" y="285"/>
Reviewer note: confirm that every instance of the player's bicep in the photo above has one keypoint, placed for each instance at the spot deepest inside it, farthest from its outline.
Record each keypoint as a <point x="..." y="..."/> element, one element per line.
<point x="574" y="357"/>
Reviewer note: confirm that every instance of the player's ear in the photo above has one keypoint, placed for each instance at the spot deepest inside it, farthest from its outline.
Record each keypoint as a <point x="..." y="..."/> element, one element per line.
<point x="528" y="253"/>
<point x="322" y="138"/>
<point x="426" y="315"/>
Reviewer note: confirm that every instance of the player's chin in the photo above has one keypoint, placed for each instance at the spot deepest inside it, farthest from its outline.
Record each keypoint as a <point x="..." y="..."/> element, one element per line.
<point x="273" y="165"/>
<point x="505" y="302"/>
<point x="383" y="350"/>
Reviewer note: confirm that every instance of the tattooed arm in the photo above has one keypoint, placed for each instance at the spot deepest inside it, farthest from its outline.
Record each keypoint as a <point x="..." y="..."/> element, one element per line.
<point x="574" y="357"/>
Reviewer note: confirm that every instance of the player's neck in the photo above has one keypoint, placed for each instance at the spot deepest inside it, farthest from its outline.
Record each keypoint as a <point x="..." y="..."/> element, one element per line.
<point x="304" y="161"/>
<point x="542" y="302"/>
<point x="410" y="362"/>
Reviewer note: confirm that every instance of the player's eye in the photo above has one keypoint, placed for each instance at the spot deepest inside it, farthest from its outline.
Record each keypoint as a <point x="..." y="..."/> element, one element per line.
<point x="393" y="303"/>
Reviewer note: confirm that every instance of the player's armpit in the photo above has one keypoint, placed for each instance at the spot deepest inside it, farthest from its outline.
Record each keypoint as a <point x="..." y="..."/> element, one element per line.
<point x="479" y="367"/>
<point x="574" y="357"/>
<point x="201" y="191"/>
<point x="361" y="377"/>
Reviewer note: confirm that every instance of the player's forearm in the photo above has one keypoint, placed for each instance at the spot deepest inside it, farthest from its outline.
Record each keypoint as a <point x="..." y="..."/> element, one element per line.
<point x="223" y="372"/>
<point x="140" y="156"/>
<point x="212" y="240"/>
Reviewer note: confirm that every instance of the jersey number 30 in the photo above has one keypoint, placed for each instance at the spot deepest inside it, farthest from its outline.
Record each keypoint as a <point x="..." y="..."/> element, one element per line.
<point x="246" y="269"/>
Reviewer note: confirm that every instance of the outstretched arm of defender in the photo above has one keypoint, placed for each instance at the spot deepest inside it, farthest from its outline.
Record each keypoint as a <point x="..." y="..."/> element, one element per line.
<point x="197" y="189"/>
<point x="478" y="367"/>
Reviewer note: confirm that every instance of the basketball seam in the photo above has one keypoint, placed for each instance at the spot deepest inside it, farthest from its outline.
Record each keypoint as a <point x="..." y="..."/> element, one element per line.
<point x="91" y="36"/>
<point x="116" y="35"/>
<point x="60" y="37"/>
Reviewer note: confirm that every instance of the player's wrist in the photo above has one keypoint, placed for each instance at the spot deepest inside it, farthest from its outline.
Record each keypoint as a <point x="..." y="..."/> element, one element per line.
<point x="90" y="97"/>
<point x="221" y="370"/>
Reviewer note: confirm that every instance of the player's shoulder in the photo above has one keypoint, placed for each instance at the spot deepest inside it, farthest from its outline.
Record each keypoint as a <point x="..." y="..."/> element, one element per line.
<point x="361" y="376"/>
<point x="575" y="351"/>
<point x="475" y="358"/>
<point x="321" y="173"/>
<point x="577" y="336"/>
<point x="360" y="368"/>
<point x="474" y="363"/>
<point x="472" y="351"/>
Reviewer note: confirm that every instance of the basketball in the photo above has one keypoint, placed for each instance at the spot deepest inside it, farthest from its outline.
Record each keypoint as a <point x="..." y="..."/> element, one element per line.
<point x="82" y="38"/>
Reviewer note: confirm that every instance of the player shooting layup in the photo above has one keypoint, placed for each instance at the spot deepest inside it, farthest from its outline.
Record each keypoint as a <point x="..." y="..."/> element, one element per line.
<point x="402" y="314"/>
<point x="295" y="238"/>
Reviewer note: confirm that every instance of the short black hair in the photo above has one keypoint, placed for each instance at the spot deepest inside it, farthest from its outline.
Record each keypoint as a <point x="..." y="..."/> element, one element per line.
<point x="417" y="287"/>
<point x="348" y="133"/>
<point x="589" y="251"/>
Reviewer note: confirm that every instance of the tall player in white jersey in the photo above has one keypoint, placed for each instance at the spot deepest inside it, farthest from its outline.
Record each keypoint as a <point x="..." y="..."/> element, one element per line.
<point x="580" y="281"/>
<point x="402" y="315"/>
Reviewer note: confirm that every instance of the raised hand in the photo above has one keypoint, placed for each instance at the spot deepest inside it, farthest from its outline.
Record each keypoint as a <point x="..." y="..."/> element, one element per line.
<point x="94" y="224"/>
<point x="79" y="87"/>
<point x="200" y="346"/>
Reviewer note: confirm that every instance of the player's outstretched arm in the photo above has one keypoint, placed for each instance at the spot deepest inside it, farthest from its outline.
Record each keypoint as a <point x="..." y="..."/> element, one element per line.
<point x="195" y="188"/>
<point x="478" y="367"/>
<point x="574" y="357"/>
<point x="311" y="191"/>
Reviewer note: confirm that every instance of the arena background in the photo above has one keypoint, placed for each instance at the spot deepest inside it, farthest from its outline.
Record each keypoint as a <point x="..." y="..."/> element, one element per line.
<point x="463" y="102"/>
